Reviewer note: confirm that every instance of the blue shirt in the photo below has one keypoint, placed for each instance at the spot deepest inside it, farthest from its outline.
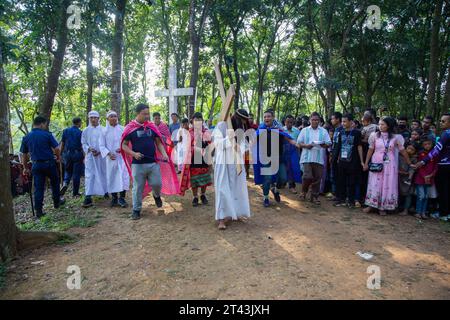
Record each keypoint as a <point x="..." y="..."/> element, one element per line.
<point x="39" y="143"/>
<point x="441" y="151"/>
<point x="143" y="141"/>
<point x="294" y="132"/>
<point x="72" y="139"/>
<point x="174" y="126"/>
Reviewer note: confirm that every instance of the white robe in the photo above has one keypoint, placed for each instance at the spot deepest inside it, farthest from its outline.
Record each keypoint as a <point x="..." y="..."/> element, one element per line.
<point x="117" y="177"/>
<point x="95" y="167"/>
<point x="230" y="188"/>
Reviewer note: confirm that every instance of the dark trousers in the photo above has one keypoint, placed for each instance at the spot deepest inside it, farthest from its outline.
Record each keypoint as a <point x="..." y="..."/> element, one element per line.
<point x="347" y="178"/>
<point x="41" y="171"/>
<point x="443" y="188"/>
<point x="73" y="170"/>
<point x="122" y="194"/>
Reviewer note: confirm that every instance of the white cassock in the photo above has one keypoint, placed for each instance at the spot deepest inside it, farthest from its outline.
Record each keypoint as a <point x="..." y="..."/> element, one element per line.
<point x="95" y="167"/>
<point x="117" y="178"/>
<point x="230" y="188"/>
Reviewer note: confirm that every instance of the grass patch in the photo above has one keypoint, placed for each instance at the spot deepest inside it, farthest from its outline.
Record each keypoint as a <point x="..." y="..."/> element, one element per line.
<point x="70" y="215"/>
<point x="445" y="226"/>
<point x="59" y="222"/>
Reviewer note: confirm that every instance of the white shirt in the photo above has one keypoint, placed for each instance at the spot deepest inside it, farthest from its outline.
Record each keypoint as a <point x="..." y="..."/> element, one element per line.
<point x="310" y="136"/>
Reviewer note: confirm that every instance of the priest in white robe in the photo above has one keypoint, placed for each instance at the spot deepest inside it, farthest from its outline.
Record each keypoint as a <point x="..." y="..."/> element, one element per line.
<point x="95" y="165"/>
<point x="232" y="202"/>
<point x="117" y="177"/>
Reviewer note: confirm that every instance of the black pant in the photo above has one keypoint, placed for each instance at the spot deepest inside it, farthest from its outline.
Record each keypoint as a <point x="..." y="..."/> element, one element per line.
<point x="40" y="171"/>
<point x="122" y="194"/>
<point x="443" y="188"/>
<point x="347" y="177"/>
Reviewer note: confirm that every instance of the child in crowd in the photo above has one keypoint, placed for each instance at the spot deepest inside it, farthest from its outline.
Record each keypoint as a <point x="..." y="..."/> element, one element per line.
<point x="405" y="177"/>
<point x="197" y="174"/>
<point x="180" y="146"/>
<point x="424" y="179"/>
<point x="415" y="136"/>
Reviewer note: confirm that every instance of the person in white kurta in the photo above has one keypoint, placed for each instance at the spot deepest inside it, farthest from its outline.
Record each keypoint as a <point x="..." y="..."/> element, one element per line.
<point x="95" y="165"/>
<point x="117" y="177"/>
<point x="231" y="191"/>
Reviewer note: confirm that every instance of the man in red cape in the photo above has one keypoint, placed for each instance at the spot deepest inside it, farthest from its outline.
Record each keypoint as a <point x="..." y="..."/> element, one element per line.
<point x="145" y="154"/>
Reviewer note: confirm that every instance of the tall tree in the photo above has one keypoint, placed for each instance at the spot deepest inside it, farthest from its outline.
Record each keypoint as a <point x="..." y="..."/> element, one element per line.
<point x="197" y="18"/>
<point x="57" y="61"/>
<point x="8" y="230"/>
<point x="434" y="58"/>
<point x="117" y="56"/>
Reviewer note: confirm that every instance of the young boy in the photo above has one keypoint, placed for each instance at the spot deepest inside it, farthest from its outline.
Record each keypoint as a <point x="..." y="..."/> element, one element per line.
<point x="405" y="176"/>
<point x="424" y="179"/>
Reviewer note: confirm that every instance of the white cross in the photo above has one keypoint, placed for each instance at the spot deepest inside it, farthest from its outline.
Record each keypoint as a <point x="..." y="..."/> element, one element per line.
<point x="173" y="92"/>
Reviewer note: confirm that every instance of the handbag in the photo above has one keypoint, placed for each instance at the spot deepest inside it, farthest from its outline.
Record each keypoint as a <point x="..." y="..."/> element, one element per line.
<point x="375" y="167"/>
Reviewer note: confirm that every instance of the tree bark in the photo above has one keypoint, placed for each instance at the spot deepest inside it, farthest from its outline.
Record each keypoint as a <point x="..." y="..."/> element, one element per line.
<point x="8" y="230"/>
<point x="117" y="57"/>
<point x="446" y="102"/>
<point x="236" y="69"/>
<point x="195" y="34"/>
<point x="434" y="57"/>
<point x="57" y="62"/>
<point x="89" y="78"/>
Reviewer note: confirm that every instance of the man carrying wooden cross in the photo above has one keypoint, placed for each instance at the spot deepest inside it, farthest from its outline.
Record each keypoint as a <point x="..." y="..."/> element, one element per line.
<point x="232" y="202"/>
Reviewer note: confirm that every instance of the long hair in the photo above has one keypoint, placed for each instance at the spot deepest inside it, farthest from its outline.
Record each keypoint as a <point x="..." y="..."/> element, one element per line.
<point x="391" y="124"/>
<point x="240" y="122"/>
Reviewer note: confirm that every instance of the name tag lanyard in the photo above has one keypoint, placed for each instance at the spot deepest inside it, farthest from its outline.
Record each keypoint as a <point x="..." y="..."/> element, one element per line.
<point x="344" y="153"/>
<point x="386" y="150"/>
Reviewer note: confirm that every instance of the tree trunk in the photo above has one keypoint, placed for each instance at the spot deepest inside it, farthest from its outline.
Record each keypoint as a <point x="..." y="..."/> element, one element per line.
<point x="90" y="78"/>
<point x="446" y="103"/>
<point x="236" y="69"/>
<point x="117" y="57"/>
<point x="127" y="94"/>
<point x="195" y="35"/>
<point x="8" y="230"/>
<point x="434" y="57"/>
<point x="58" y="59"/>
<point x="195" y="43"/>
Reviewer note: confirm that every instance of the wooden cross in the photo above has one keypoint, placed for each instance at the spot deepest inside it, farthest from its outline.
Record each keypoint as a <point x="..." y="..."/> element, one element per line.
<point x="225" y="114"/>
<point x="173" y="92"/>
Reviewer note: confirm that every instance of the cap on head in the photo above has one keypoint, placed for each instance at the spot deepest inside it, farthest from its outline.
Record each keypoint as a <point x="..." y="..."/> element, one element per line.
<point x="94" y="114"/>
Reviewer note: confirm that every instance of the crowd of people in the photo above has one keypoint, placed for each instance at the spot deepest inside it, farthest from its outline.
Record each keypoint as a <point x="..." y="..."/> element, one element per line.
<point x="382" y="165"/>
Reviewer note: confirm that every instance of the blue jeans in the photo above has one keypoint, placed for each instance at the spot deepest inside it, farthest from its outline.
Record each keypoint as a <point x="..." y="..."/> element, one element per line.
<point x="422" y="198"/>
<point x="73" y="170"/>
<point x="281" y="179"/>
<point x="40" y="171"/>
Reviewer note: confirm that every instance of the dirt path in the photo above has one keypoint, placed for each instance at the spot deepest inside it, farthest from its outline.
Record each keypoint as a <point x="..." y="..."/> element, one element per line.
<point x="289" y="251"/>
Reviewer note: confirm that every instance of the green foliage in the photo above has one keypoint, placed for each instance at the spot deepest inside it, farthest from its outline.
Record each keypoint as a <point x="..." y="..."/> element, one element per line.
<point x="291" y="55"/>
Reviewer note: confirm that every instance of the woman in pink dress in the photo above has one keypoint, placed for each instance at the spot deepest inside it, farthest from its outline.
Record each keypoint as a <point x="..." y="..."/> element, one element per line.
<point x="384" y="146"/>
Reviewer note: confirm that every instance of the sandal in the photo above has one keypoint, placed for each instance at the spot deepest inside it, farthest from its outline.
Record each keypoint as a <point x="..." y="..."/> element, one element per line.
<point x="316" y="201"/>
<point x="382" y="213"/>
<point x="303" y="197"/>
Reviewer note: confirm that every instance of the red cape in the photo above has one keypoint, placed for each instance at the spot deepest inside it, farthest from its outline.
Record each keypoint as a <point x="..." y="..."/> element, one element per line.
<point x="170" y="184"/>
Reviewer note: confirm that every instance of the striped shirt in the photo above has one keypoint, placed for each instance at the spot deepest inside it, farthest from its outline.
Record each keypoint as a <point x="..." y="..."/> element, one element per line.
<point x="441" y="151"/>
<point x="308" y="136"/>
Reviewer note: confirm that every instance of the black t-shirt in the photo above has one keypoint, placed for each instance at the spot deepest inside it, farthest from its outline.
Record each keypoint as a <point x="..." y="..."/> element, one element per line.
<point x="143" y="141"/>
<point x="348" y="142"/>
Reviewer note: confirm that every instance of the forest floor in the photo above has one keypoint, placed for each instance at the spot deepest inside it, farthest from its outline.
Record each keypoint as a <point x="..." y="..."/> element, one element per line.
<point x="291" y="250"/>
